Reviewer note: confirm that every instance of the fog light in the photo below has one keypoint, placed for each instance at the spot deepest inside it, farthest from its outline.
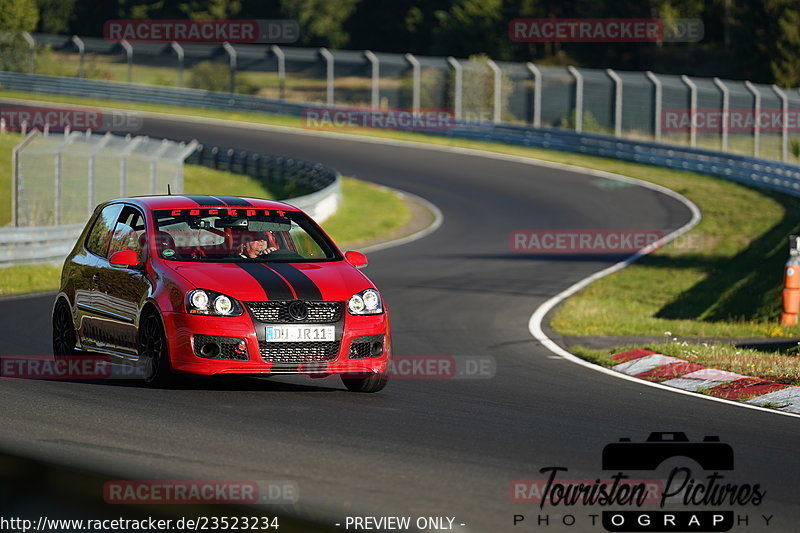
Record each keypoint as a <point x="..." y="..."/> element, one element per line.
<point x="241" y="348"/>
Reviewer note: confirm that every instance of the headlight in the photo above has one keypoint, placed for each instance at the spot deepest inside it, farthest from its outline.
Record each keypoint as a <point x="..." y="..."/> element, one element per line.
<point x="223" y="305"/>
<point x="367" y="302"/>
<point x="206" y="302"/>
<point x="199" y="300"/>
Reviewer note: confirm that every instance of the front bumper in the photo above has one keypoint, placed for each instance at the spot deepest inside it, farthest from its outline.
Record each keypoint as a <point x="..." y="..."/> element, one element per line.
<point x="181" y="329"/>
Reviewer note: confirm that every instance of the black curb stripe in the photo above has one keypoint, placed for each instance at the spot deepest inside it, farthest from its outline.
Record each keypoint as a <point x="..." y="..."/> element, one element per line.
<point x="302" y="284"/>
<point x="232" y="200"/>
<point x="274" y="286"/>
<point x="203" y="200"/>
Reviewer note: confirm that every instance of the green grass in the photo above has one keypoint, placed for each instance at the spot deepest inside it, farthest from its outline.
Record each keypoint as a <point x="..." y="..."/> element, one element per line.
<point x="728" y="286"/>
<point x="350" y="225"/>
<point x="367" y="212"/>
<point x="7" y="143"/>
<point x="353" y="223"/>
<point x="782" y="367"/>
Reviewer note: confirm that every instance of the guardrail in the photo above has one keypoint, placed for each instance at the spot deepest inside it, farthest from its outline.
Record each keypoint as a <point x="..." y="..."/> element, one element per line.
<point x="43" y="244"/>
<point x="50" y="244"/>
<point x="783" y="177"/>
<point x="774" y="175"/>
<point x="323" y="181"/>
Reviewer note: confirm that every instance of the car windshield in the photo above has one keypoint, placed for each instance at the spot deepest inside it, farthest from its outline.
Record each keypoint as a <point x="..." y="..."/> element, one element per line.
<point x="240" y="235"/>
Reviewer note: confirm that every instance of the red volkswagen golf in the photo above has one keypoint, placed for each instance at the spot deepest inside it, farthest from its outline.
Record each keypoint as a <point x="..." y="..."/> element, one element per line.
<point x="220" y="285"/>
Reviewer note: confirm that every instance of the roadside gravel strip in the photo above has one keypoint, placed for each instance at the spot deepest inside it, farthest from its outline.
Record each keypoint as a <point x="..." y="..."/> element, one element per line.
<point x="681" y="374"/>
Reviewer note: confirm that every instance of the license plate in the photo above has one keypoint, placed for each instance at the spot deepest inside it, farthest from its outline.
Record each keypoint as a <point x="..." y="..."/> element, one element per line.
<point x="298" y="333"/>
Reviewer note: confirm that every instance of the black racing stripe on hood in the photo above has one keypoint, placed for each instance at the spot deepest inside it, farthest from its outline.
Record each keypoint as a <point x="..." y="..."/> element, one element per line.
<point x="302" y="284"/>
<point x="274" y="286"/>
<point x="203" y="200"/>
<point x="232" y="200"/>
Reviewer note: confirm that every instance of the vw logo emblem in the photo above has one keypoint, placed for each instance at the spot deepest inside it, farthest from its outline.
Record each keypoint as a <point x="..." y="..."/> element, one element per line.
<point x="298" y="310"/>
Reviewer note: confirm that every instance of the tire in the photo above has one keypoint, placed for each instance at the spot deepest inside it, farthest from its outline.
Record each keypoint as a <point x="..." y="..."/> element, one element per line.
<point x="65" y="338"/>
<point x="371" y="383"/>
<point x="153" y="351"/>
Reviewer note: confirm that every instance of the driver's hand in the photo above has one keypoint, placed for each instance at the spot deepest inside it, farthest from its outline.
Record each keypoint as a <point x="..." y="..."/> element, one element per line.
<point x="269" y="250"/>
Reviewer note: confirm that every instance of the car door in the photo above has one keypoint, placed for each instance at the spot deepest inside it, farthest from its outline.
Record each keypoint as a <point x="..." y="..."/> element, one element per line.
<point x="120" y="291"/>
<point x="94" y="248"/>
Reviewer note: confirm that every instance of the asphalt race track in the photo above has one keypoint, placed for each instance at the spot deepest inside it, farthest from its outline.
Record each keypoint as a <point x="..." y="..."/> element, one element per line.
<point x="422" y="447"/>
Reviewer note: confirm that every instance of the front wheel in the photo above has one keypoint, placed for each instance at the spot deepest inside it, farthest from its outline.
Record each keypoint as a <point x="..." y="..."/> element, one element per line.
<point x="371" y="383"/>
<point x="64" y="337"/>
<point x="153" y="353"/>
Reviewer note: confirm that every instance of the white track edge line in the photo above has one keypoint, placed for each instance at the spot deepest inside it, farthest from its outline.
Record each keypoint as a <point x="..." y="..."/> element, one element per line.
<point x="534" y="324"/>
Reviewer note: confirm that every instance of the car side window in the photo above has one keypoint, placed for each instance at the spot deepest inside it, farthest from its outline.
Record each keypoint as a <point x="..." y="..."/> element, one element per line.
<point x="129" y="233"/>
<point x="100" y="236"/>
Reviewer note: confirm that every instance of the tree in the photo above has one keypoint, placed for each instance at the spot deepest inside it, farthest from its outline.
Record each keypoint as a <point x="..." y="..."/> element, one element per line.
<point x="55" y="15"/>
<point x="321" y="21"/>
<point x="15" y="16"/>
<point x="18" y="15"/>
<point x="786" y="65"/>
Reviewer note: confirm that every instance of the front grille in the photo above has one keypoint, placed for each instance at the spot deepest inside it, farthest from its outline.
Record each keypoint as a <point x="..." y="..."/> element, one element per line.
<point x="226" y="347"/>
<point x="298" y="352"/>
<point x="361" y="347"/>
<point x="278" y="311"/>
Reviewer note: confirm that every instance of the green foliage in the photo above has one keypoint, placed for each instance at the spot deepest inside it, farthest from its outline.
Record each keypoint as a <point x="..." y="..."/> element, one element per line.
<point x="478" y="96"/>
<point x="321" y="21"/>
<point x="786" y="66"/>
<point x="590" y="124"/>
<point x="18" y="15"/>
<point x="213" y="76"/>
<point x="210" y="76"/>
<point x="794" y="146"/>
<point x="55" y="15"/>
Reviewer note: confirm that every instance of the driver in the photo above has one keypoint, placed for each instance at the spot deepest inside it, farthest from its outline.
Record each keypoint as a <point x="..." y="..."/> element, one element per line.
<point x="256" y="247"/>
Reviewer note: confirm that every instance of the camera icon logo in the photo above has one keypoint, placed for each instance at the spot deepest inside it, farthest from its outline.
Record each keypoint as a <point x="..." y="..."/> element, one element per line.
<point x="710" y="454"/>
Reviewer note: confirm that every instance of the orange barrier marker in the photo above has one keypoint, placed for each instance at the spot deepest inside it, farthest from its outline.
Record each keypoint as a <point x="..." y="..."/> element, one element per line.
<point x="791" y="285"/>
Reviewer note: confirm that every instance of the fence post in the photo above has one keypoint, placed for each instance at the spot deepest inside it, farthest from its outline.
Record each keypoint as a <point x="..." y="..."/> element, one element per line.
<point x="81" y="49"/>
<point x="756" y="117"/>
<point x="376" y="78"/>
<point x="231" y="51"/>
<point x="416" y="81"/>
<point x="537" y="94"/>
<point x="281" y="57"/>
<point x="726" y="112"/>
<point x="58" y="179"/>
<point x="784" y="122"/>
<point x="692" y="109"/>
<point x="154" y="164"/>
<point x="458" y="89"/>
<point x="91" y="177"/>
<point x="498" y="87"/>
<point x="179" y="52"/>
<point x="123" y="164"/>
<point x="16" y="182"/>
<point x="129" y="53"/>
<point x="31" y="49"/>
<point x="617" y="102"/>
<point x="329" y="77"/>
<point x="657" y="99"/>
<point x="578" y="98"/>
